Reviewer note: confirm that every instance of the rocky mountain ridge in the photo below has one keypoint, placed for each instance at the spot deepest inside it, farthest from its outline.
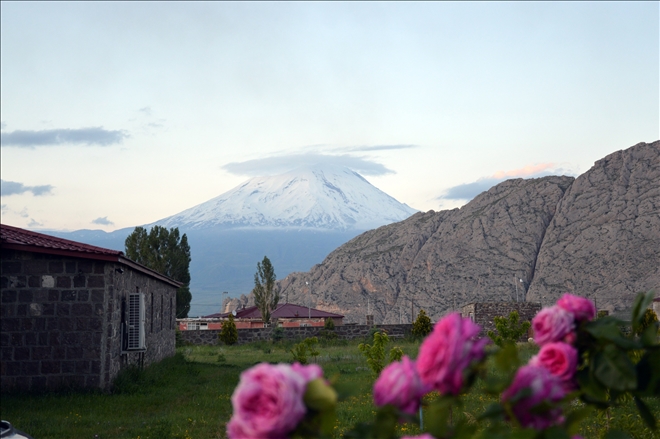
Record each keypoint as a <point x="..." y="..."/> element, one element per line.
<point x="597" y="235"/>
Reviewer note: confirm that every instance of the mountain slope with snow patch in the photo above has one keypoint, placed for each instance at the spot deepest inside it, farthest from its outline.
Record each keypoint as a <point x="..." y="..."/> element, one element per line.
<point x="316" y="197"/>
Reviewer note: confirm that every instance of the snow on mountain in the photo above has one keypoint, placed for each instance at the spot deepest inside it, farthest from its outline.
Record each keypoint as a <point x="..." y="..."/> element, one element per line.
<point x="318" y="197"/>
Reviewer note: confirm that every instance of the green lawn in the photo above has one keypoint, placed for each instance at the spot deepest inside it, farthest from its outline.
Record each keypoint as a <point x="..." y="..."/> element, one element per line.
<point x="188" y="396"/>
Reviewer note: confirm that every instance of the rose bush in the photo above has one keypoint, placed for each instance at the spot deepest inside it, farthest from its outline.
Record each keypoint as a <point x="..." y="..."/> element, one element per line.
<point x="578" y="357"/>
<point x="560" y="359"/>
<point x="553" y="324"/>
<point x="534" y="395"/>
<point x="446" y="354"/>
<point x="400" y="385"/>
<point x="582" y="309"/>
<point x="268" y="401"/>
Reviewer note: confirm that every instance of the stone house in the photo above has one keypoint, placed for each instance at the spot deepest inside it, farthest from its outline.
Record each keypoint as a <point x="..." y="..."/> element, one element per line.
<point x="484" y="313"/>
<point x="74" y="315"/>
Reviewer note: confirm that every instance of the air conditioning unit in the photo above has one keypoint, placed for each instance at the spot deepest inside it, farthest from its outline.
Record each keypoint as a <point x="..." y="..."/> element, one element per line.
<point x="135" y="323"/>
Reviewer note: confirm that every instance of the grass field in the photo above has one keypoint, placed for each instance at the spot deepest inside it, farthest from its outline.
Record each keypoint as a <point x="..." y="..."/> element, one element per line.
<point x="188" y="396"/>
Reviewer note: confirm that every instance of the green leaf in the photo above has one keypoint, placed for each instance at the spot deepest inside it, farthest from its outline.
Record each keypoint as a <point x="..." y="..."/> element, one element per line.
<point x="645" y="413"/>
<point x="642" y="301"/>
<point x="609" y="331"/>
<point x="648" y="373"/>
<point x="614" y="369"/>
<point x="594" y="391"/>
<point x="649" y="337"/>
<point x="437" y="421"/>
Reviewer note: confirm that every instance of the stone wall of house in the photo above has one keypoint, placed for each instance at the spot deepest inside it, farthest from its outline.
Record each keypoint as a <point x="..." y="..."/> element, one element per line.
<point x="61" y="316"/>
<point x="160" y="319"/>
<point x="52" y="321"/>
<point x="484" y="313"/>
<point x="346" y="332"/>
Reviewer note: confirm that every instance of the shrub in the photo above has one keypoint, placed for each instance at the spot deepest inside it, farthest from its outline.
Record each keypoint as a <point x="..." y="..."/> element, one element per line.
<point x="329" y="324"/>
<point x="305" y="347"/>
<point x="277" y="334"/>
<point x="178" y="339"/>
<point x="509" y="330"/>
<point x="375" y="354"/>
<point x="422" y="325"/>
<point x="229" y="334"/>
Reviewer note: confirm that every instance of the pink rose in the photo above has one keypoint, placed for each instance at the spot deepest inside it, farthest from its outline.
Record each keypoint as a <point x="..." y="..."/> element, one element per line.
<point x="309" y="372"/>
<point x="399" y="385"/>
<point x="553" y="324"/>
<point x="267" y="403"/>
<point x="545" y="388"/>
<point x="446" y="354"/>
<point x="581" y="308"/>
<point x="560" y="359"/>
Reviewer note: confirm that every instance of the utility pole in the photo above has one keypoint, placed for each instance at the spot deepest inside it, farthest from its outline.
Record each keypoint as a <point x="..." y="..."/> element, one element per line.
<point x="309" y="302"/>
<point x="412" y="311"/>
<point x="514" y="281"/>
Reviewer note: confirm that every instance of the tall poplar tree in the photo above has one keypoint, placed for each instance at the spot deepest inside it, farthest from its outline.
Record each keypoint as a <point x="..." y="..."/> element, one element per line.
<point x="166" y="252"/>
<point x="265" y="296"/>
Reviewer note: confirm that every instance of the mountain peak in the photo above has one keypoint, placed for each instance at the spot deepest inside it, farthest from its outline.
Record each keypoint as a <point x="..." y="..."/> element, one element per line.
<point x="325" y="197"/>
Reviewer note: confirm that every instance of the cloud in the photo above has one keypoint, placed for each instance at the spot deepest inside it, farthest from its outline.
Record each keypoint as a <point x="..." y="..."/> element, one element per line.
<point x="89" y="136"/>
<point x="145" y="110"/>
<point x="3" y="125"/>
<point x="34" y="223"/>
<point x="284" y="163"/>
<point x="104" y="221"/>
<point x="467" y="191"/>
<point x="375" y="148"/>
<point x="14" y="188"/>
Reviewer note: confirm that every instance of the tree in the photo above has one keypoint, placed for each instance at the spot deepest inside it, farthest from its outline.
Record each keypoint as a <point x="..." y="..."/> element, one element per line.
<point x="166" y="252"/>
<point x="265" y="296"/>
<point x="229" y="334"/>
<point x="422" y="325"/>
<point x="509" y="330"/>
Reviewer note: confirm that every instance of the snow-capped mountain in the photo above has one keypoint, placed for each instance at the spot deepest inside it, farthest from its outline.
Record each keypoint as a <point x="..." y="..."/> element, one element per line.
<point x="316" y="197"/>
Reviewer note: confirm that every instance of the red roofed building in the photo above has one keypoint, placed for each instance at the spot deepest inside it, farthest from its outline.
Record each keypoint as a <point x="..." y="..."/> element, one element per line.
<point x="73" y="315"/>
<point x="287" y="315"/>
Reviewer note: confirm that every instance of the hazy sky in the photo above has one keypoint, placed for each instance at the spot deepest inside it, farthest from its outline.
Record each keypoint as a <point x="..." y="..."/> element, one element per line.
<point x="119" y="114"/>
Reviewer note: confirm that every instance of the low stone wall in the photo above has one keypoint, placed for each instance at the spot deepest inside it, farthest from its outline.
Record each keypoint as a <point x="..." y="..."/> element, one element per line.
<point x="345" y="332"/>
<point x="484" y="313"/>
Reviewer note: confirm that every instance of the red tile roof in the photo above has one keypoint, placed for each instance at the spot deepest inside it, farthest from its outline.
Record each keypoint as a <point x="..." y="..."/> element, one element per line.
<point x="283" y="311"/>
<point x="14" y="238"/>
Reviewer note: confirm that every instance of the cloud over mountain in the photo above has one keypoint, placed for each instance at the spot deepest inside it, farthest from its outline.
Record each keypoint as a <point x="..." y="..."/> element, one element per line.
<point x="88" y="136"/>
<point x="284" y="163"/>
<point x="468" y="191"/>
<point x="8" y="188"/>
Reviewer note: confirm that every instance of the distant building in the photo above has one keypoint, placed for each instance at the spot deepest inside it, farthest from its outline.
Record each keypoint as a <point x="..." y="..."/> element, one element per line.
<point x="74" y="315"/>
<point x="484" y="313"/>
<point x="286" y="315"/>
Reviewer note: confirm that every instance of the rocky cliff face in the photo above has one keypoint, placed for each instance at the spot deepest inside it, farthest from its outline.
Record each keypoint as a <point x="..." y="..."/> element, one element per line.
<point x="604" y="240"/>
<point x="597" y="235"/>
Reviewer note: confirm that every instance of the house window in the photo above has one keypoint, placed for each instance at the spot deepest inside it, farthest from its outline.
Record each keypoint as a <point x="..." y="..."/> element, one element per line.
<point x="193" y="325"/>
<point x="133" y="333"/>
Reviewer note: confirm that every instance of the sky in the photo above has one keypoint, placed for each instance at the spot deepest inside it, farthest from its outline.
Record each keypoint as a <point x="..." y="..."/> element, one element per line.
<point x="117" y="114"/>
